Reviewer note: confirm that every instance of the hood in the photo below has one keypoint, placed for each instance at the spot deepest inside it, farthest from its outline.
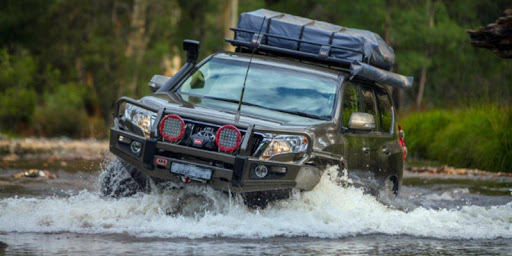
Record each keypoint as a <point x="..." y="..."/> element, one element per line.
<point x="221" y="112"/>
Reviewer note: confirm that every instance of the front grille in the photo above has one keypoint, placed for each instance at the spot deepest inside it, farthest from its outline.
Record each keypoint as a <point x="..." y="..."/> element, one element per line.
<point x="196" y="131"/>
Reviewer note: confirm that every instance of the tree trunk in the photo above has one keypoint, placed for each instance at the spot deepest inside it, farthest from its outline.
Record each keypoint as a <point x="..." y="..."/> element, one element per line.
<point x="423" y="76"/>
<point x="172" y="64"/>
<point x="137" y="41"/>
<point x="396" y="93"/>
<point x="230" y="15"/>
<point x="421" y="89"/>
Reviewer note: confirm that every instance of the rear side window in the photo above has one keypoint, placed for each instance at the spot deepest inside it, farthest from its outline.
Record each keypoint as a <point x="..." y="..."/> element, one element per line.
<point x="385" y="110"/>
<point x="368" y="102"/>
<point x="350" y="102"/>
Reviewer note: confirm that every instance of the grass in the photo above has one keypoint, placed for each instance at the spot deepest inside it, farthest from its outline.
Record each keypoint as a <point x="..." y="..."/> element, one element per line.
<point x="479" y="137"/>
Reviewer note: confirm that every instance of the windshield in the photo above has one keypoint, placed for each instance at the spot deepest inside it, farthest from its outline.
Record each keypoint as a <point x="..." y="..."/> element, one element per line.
<point x="269" y="87"/>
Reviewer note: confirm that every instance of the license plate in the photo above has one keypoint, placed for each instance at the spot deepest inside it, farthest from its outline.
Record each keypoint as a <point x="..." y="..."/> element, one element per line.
<point x="191" y="171"/>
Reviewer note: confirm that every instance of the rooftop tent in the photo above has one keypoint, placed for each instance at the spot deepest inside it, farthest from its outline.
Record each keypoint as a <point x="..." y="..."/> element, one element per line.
<point x="365" y="46"/>
<point x="363" y="52"/>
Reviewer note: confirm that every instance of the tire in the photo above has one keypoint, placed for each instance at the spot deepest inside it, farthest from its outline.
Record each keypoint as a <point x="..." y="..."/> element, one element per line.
<point x="261" y="199"/>
<point x="396" y="185"/>
<point x="255" y="200"/>
<point x="121" y="179"/>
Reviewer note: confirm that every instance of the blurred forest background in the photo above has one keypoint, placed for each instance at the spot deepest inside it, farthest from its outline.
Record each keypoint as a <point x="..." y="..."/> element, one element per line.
<point x="63" y="63"/>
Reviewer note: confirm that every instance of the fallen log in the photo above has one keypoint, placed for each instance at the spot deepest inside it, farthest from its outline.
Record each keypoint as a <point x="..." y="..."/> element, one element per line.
<point x="496" y="36"/>
<point x="455" y="171"/>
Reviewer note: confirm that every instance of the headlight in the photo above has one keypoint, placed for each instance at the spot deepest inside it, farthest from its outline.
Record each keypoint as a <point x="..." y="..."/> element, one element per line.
<point x="140" y="118"/>
<point x="281" y="144"/>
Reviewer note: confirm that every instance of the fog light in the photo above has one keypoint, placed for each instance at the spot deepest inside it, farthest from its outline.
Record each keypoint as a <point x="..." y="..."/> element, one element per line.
<point x="136" y="147"/>
<point x="124" y="139"/>
<point x="261" y="171"/>
<point x="278" y="169"/>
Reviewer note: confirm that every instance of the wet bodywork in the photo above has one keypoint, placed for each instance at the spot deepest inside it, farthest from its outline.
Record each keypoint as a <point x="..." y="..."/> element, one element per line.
<point x="370" y="157"/>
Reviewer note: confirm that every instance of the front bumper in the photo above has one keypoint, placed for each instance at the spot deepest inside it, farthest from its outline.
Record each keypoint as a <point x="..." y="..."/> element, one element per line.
<point x="237" y="178"/>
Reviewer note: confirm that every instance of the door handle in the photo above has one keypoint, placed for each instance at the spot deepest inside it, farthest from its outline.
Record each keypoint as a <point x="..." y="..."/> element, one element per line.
<point x="366" y="150"/>
<point x="386" y="150"/>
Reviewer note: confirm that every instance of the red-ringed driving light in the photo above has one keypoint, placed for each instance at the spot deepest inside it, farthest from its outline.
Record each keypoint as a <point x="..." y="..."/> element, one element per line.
<point x="172" y="128"/>
<point x="228" y="138"/>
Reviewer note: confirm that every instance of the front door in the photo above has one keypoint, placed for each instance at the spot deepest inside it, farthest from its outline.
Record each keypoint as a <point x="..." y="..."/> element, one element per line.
<point x="358" y="147"/>
<point x="368" y="151"/>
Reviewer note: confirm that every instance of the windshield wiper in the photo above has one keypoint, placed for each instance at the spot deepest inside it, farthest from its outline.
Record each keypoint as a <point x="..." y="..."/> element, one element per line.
<point x="220" y="99"/>
<point x="298" y="113"/>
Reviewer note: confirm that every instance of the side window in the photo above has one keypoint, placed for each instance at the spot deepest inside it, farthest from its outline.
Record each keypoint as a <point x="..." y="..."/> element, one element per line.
<point x="350" y="102"/>
<point x="385" y="110"/>
<point x="368" y="103"/>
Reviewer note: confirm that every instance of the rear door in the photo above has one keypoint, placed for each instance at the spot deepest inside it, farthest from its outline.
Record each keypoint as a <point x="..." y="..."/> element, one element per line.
<point x="388" y="150"/>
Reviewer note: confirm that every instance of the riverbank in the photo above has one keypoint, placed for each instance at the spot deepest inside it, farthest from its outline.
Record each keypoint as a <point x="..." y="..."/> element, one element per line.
<point x="51" y="149"/>
<point x="448" y="170"/>
<point x="478" y="137"/>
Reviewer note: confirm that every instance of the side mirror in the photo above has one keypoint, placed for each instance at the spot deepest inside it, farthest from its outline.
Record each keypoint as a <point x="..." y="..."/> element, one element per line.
<point x="157" y="81"/>
<point x="192" y="49"/>
<point x="361" y="121"/>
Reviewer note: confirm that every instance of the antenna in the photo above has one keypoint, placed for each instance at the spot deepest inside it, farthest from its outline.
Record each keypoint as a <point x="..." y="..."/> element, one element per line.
<point x="256" y="39"/>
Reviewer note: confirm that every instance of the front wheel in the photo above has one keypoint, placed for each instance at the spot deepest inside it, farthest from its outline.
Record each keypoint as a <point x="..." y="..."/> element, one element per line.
<point x="120" y="179"/>
<point x="261" y="199"/>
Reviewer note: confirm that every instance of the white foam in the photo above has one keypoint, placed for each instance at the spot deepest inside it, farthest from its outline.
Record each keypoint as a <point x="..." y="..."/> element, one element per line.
<point x="328" y="211"/>
<point x="455" y="194"/>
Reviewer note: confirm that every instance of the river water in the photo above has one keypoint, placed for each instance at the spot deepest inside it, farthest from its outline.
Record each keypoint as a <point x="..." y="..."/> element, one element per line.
<point x="450" y="215"/>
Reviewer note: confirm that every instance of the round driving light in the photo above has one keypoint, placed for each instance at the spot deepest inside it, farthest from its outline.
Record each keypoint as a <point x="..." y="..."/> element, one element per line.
<point x="261" y="171"/>
<point x="135" y="147"/>
<point x="172" y="128"/>
<point x="228" y="138"/>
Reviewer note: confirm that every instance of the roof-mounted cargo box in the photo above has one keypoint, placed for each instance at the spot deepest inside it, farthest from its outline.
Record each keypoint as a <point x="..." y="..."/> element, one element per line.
<point x="361" y="51"/>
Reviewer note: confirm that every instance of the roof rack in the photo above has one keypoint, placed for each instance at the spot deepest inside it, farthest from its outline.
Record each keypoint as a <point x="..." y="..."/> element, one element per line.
<point x="356" y="68"/>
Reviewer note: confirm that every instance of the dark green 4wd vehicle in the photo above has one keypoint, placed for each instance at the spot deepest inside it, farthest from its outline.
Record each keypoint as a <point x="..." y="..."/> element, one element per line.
<point x="265" y="119"/>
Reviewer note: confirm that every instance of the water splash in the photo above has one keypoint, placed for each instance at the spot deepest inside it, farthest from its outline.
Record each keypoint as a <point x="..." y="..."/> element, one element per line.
<point x="330" y="210"/>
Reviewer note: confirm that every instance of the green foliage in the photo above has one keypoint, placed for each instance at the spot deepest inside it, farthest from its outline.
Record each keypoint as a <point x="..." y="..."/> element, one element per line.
<point x="478" y="137"/>
<point x="17" y="95"/>
<point x="16" y="105"/>
<point x="16" y="70"/>
<point x="63" y="112"/>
